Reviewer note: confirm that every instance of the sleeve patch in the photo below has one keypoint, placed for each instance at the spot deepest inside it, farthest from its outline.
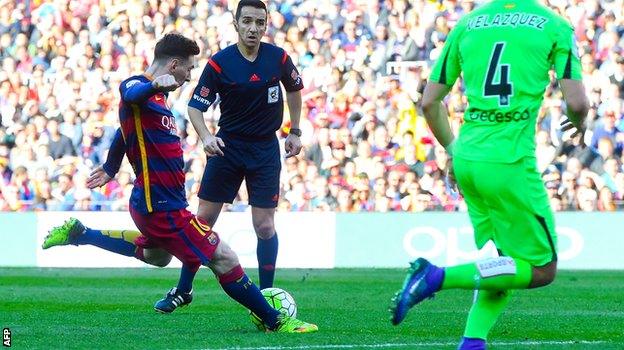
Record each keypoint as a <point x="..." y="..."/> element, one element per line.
<point x="204" y="91"/>
<point x="132" y="82"/>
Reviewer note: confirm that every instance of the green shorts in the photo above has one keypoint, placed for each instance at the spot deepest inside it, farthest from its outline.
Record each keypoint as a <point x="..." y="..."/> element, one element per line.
<point x="508" y="204"/>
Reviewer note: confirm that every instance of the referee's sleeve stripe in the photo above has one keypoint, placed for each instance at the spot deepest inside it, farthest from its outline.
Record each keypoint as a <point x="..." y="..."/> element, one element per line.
<point x="214" y="65"/>
<point x="567" y="72"/>
<point x="284" y="57"/>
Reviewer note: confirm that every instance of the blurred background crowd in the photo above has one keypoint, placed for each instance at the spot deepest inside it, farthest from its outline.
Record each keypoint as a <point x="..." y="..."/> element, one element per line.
<point x="364" y="64"/>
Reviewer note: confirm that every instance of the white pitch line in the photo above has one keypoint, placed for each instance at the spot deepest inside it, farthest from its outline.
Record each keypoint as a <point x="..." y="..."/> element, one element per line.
<point x="412" y="345"/>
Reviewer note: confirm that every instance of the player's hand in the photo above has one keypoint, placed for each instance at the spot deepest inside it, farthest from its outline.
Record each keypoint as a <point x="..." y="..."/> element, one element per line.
<point x="450" y="175"/>
<point x="213" y="146"/>
<point x="165" y="82"/>
<point x="292" y="145"/>
<point x="566" y="124"/>
<point x="97" y="178"/>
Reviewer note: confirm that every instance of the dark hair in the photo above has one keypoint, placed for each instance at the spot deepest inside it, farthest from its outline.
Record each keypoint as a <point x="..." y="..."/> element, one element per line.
<point x="175" y="45"/>
<point x="253" y="3"/>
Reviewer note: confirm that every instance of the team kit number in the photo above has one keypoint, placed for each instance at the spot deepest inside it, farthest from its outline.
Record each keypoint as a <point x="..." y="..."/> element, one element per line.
<point x="503" y="88"/>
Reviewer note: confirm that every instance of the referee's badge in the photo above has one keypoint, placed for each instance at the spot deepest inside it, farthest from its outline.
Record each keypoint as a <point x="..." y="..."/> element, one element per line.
<point x="273" y="94"/>
<point x="204" y="91"/>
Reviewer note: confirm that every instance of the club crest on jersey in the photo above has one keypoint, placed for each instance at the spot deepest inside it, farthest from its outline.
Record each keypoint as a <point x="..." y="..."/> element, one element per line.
<point x="273" y="94"/>
<point x="212" y="239"/>
<point x="204" y="91"/>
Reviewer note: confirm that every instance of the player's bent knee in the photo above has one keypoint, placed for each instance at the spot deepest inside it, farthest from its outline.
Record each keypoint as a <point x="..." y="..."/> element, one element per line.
<point x="224" y="259"/>
<point x="549" y="276"/>
<point x="157" y="257"/>
<point x="544" y="275"/>
<point x="162" y="261"/>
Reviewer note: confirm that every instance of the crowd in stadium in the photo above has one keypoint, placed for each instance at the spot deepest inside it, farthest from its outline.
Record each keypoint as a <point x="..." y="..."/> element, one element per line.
<point x="364" y="63"/>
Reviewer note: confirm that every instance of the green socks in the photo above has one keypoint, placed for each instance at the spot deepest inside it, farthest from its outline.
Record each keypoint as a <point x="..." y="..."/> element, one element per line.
<point x="492" y="279"/>
<point x="488" y="305"/>
<point x="496" y="274"/>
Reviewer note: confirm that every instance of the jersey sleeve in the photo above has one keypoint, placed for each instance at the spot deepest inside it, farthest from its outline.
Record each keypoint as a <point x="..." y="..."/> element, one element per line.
<point x="565" y="53"/>
<point x="447" y="67"/>
<point x="115" y="154"/>
<point x="136" y="91"/>
<point x="205" y="92"/>
<point x="290" y="75"/>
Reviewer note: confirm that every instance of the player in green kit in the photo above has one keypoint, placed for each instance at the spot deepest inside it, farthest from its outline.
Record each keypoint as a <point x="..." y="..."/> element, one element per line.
<point x="505" y="50"/>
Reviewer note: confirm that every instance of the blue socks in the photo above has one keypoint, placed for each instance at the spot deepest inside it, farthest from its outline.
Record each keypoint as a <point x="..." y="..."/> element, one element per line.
<point x="267" y="255"/>
<point x="238" y="286"/>
<point x="120" y="242"/>
<point x="187" y="274"/>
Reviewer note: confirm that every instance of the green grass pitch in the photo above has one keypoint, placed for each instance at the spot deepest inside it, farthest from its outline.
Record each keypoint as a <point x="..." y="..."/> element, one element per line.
<point x="112" y="309"/>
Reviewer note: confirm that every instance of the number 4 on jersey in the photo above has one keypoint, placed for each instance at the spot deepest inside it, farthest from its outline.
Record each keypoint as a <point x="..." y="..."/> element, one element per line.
<point x="502" y="88"/>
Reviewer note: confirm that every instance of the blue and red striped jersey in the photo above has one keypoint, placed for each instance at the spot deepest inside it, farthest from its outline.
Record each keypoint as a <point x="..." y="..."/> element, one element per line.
<point x="152" y="147"/>
<point x="251" y="98"/>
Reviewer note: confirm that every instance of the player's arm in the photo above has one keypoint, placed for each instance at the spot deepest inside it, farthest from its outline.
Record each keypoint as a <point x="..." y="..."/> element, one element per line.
<point x="568" y="70"/>
<point x="293" y="143"/>
<point x="203" y="97"/>
<point x="294" y="101"/>
<point x="436" y="113"/>
<point x="293" y="84"/>
<point x="137" y="91"/>
<point x="105" y="172"/>
<point x="577" y="105"/>
<point x="443" y="76"/>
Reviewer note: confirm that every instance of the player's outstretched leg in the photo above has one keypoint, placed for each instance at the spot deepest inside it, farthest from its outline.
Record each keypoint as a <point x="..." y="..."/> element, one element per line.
<point x="74" y="232"/>
<point x="493" y="278"/>
<point x="181" y="295"/>
<point x="239" y="287"/>
<point x="422" y="281"/>
<point x="64" y="234"/>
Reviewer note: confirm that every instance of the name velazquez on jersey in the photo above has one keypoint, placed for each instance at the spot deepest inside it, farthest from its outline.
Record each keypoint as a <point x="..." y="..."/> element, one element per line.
<point x="512" y="19"/>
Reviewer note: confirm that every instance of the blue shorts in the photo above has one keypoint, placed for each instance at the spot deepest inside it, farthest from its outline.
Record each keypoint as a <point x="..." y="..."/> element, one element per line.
<point x="256" y="161"/>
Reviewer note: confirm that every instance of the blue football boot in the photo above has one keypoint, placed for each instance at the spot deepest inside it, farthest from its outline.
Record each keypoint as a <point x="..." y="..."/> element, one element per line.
<point x="422" y="281"/>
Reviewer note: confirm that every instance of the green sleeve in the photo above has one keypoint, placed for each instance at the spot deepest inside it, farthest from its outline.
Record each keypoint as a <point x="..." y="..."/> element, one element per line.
<point x="447" y="67"/>
<point x="565" y="54"/>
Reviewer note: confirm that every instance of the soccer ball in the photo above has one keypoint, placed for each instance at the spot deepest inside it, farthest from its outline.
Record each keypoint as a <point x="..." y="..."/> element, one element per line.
<point x="280" y="300"/>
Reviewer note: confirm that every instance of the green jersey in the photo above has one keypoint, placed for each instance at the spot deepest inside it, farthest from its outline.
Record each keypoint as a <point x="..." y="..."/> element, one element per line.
<point x="505" y="50"/>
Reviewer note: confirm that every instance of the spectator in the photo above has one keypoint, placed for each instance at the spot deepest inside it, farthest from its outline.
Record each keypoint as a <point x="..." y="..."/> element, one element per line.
<point x="605" y="151"/>
<point x="605" y="200"/>
<point x="59" y="145"/>
<point x="607" y="129"/>
<point x="363" y="65"/>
